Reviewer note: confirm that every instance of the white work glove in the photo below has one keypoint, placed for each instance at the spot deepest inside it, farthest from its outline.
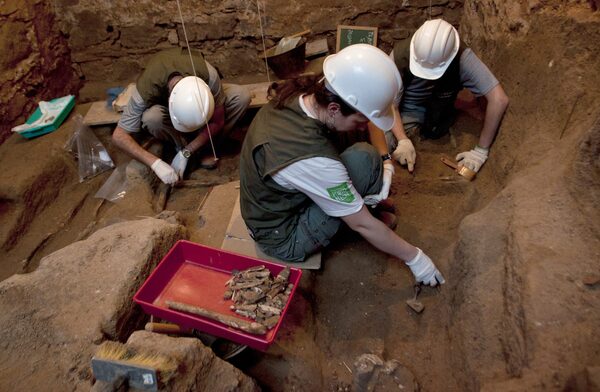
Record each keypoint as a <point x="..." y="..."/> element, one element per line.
<point x="405" y="154"/>
<point x="473" y="159"/>
<point x="424" y="270"/>
<point x="388" y="172"/>
<point x="164" y="171"/>
<point x="179" y="164"/>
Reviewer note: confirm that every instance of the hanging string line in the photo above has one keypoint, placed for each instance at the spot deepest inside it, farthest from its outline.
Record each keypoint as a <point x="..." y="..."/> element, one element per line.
<point x="200" y="104"/>
<point x="263" y="41"/>
<point x="429" y="9"/>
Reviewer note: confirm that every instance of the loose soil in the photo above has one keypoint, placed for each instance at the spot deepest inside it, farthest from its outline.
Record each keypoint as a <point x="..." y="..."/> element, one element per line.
<point x="354" y="305"/>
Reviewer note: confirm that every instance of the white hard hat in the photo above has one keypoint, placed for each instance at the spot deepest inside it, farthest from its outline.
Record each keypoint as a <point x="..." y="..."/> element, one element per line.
<point x="432" y="49"/>
<point x="366" y="79"/>
<point x="191" y="104"/>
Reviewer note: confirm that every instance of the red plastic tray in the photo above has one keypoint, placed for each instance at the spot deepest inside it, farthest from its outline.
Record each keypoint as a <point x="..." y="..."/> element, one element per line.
<point x="196" y="274"/>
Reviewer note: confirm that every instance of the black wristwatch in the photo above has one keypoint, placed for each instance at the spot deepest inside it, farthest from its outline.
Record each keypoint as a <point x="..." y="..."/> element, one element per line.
<point x="385" y="157"/>
<point x="187" y="153"/>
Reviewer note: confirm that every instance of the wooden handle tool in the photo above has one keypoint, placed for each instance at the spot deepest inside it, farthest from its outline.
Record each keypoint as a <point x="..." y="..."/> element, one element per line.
<point x="167" y="328"/>
<point x="460" y="169"/>
<point x="448" y="162"/>
<point x="232" y="321"/>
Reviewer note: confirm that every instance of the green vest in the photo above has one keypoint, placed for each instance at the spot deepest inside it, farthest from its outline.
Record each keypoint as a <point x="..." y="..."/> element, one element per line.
<point x="276" y="138"/>
<point x="152" y="83"/>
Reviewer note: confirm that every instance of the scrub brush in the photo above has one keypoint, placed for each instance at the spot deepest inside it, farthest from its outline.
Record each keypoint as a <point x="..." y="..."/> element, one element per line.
<point x="115" y="364"/>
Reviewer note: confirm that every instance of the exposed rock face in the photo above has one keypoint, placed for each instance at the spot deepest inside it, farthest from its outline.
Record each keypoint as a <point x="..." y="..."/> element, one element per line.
<point x="36" y="61"/>
<point x="79" y="296"/>
<point x="25" y="194"/>
<point x="520" y="309"/>
<point x="199" y="369"/>
<point x="50" y="47"/>
<point x="112" y="41"/>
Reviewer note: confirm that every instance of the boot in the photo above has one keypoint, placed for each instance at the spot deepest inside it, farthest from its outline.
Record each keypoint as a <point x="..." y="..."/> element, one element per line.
<point x="386" y="205"/>
<point x="388" y="218"/>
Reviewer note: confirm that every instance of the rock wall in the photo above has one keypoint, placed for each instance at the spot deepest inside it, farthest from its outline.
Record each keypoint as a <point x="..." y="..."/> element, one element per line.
<point x="52" y="319"/>
<point x="55" y="47"/>
<point x="35" y="63"/>
<point x="522" y="316"/>
<point x="52" y="48"/>
<point x="112" y="40"/>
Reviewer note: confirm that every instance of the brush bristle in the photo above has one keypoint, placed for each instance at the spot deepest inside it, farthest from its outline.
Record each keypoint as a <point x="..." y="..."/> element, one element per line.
<point x="116" y="351"/>
<point x="164" y="365"/>
<point x="112" y="351"/>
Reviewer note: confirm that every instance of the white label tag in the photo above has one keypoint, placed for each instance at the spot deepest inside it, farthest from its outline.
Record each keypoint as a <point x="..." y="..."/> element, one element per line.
<point x="148" y="379"/>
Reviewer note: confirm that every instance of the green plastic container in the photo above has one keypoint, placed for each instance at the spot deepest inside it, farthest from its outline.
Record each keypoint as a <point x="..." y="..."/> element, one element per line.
<point x="62" y="106"/>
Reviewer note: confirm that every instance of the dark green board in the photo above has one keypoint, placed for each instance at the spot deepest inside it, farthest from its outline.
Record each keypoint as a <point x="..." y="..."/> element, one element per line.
<point x="350" y="35"/>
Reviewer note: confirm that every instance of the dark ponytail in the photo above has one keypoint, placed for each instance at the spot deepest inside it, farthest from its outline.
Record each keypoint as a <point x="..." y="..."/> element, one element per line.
<point x="281" y="92"/>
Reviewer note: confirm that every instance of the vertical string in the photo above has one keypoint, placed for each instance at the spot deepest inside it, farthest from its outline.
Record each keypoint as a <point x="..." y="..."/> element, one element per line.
<point x="187" y="44"/>
<point x="262" y="34"/>
<point x="429" y="10"/>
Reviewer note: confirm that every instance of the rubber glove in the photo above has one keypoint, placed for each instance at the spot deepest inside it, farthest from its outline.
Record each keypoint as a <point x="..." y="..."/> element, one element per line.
<point x="405" y="154"/>
<point x="424" y="270"/>
<point x="388" y="172"/>
<point x="179" y="164"/>
<point x="473" y="159"/>
<point x="164" y="171"/>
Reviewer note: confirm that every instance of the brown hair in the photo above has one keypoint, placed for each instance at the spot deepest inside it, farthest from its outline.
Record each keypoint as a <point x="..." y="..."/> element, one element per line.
<point x="281" y="92"/>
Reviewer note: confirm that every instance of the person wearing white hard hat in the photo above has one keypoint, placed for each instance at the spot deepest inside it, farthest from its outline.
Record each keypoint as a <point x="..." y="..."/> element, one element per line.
<point x="179" y="103"/>
<point x="297" y="187"/>
<point x="435" y="65"/>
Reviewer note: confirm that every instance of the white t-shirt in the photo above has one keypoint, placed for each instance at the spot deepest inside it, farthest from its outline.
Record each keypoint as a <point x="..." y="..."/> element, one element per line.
<point x="324" y="180"/>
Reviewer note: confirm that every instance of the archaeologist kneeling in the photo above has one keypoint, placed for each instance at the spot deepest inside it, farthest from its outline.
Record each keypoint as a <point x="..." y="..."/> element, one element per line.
<point x="435" y="65"/>
<point x="295" y="186"/>
<point x="179" y="108"/>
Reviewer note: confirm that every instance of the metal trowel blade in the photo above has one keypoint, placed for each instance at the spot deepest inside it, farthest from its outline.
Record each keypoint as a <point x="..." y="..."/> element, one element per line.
<point x="415" y="305"/>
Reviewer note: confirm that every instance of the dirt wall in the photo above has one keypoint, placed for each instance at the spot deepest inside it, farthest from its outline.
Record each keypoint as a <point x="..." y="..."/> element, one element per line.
<point x="522" y="317"/>
<point x="35" y="63"/>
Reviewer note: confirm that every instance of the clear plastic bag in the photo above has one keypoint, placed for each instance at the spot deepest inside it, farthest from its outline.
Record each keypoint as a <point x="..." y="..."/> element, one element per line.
<point x="115" y="186"/>
<point x="88" y="150"/>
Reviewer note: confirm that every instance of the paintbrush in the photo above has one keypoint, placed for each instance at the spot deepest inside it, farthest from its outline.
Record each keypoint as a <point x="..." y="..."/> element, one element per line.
<point x="114" y="364"/>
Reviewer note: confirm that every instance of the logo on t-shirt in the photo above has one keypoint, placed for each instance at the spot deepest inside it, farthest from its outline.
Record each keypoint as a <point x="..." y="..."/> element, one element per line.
<point x="341" y="193"/>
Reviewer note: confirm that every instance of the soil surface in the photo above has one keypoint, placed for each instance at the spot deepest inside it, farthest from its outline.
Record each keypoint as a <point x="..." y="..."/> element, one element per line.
<point x="355" y="304"/>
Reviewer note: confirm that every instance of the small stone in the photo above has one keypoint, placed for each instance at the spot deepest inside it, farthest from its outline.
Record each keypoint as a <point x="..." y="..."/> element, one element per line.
<point x="591" y="280"/>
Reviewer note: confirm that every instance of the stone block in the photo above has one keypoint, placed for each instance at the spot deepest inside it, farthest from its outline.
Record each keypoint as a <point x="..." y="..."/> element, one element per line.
<point x="198" y="367"/>
<point x="141" y="37"/>
<point x="80" y="295"/>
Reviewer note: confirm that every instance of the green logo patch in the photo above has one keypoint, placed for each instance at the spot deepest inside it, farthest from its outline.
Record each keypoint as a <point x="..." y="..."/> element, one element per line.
<point x="341" y="193"/>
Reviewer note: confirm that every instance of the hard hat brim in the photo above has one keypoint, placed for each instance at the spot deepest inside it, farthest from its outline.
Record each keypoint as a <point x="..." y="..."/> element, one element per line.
<point x="427" y="73"/>
<point x="385" y="121"/>
<point x="431" y="73"/>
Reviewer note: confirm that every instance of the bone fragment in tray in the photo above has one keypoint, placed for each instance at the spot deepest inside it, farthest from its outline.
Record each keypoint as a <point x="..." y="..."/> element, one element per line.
<point x="257" y="295"/>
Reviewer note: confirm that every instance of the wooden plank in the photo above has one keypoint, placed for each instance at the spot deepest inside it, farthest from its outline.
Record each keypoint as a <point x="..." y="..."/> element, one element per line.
<point x="216" y="231"/>
<point x="258" y="92"/>
<point x="122" y="100"/>
<point x="238" y="240"/>
<point x="100" y="114"/>
<point x="316" y="48"/>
